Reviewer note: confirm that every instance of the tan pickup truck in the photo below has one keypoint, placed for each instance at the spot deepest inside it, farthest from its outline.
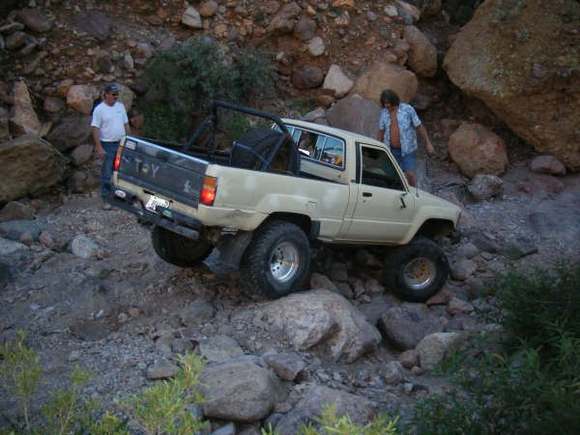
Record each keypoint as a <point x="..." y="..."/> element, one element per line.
<point x="264" y="198"/>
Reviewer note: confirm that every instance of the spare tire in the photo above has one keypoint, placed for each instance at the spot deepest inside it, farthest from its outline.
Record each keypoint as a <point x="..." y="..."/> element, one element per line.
<point x="252" y="148"/>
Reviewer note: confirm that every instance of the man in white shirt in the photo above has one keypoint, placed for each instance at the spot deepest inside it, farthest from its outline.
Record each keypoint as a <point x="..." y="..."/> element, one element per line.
<point x="109" y="125"/>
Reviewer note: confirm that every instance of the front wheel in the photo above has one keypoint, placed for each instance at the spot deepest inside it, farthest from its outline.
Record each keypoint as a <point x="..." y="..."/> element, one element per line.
<point x="179" y="250"/>
<point x="416" y="271"/>
<point x="277" y="260"/>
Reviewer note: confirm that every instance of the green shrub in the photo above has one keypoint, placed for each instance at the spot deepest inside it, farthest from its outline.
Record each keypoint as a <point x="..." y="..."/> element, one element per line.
<point x="164" y="407"/>
<point x="20" y="373"/>
<point x="183" y="81"/>
<point x="532" y="384"/>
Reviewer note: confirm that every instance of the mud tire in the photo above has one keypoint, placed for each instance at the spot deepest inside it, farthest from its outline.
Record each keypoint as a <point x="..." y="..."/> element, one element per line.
<point x="179" y="250"/>
<point x="276" y="247"/>
<point x="400" y="259"/>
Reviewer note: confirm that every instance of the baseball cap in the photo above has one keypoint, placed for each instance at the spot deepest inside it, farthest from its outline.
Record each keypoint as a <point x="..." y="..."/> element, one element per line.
<point x="112" y="87"/>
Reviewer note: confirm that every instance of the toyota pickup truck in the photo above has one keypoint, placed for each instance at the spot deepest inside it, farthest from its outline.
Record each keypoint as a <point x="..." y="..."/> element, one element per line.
<point x="263" y="200"/>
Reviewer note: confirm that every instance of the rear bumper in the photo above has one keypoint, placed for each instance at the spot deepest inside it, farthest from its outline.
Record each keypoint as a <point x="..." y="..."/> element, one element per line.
<point x="166" y="218"/>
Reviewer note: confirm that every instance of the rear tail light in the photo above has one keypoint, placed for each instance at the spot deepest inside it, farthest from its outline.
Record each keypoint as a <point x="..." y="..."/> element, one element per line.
<point x="117" y="161"/>
<point x="208" y="191"/>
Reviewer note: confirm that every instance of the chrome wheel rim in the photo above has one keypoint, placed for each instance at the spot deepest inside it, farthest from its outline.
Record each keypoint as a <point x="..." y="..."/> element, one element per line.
<point x="284" y="262"/>
<point x="419" y="273"/>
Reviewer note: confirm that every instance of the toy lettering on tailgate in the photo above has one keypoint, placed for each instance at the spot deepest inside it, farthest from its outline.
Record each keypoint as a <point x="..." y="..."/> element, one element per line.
<point x="146" y="168"/>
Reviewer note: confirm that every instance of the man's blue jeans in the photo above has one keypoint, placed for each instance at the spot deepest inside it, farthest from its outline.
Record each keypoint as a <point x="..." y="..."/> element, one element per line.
<point x="107" y="168"/>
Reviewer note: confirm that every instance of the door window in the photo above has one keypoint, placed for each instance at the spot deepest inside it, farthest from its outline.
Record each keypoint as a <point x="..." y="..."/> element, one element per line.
<point x="378" y="170"/>
<point x="322" y="148"/>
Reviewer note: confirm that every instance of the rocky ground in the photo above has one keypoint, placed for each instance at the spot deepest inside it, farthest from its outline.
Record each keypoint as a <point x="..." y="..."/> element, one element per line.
<point x="85" y="284"/>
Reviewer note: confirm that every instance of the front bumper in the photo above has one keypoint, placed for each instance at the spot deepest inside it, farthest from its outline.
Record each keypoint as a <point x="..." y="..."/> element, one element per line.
<point x="163" y="217"/>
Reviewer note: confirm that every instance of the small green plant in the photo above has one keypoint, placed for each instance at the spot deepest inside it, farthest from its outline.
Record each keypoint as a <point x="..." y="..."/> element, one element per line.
<point x="20" y="372"/>
<point x="330" y="423"/>
<point x="164" y="407"/>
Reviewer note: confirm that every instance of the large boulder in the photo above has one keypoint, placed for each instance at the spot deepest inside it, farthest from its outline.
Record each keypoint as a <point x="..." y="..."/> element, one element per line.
<point x="94" y="23"/>
<point x="70" y="132"/>
<point x="324" y="318"/>
<point x="356" y="114"/>
<point x="310" y="408"/>
<point x="422" y="54"/>
<point x="526" y="69"/>
<point x="239" y="390"/>
<point x="382" y="76"/>
<point x="307" y="77"/>
<point x="82" y="97"/>
<point x="23" y="118"/>
<point x="477" y="150"/>
<point x="285" y="19"/>
<point x="35" y="20"/>
<point x="30" y="165"/>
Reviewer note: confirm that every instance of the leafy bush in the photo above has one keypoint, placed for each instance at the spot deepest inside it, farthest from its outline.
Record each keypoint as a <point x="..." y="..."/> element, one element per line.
<point x="530" y="386"/>
<point x="183" y="81"/>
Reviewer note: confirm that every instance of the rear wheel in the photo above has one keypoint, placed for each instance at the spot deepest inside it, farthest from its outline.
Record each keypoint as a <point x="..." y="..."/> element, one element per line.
<point x="277" y="260"/>
<point x="179" y="250"/>
<point x="416" y="271"/>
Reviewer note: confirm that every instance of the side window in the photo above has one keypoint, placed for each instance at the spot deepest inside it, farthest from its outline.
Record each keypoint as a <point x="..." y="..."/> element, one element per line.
<point x="377" y="169"/>
<point x="319" y="147"/>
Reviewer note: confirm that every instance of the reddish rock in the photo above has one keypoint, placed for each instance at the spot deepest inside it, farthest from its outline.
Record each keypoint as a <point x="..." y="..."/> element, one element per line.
<point x="382" y="76"/>
<point x="527" y="77"/>
<point x="307" y="77"/>
<point x="440" y="298"/>
<point x="477" y="150"/>
<point x="82" y="97"/>
<point x="23" y="118"/>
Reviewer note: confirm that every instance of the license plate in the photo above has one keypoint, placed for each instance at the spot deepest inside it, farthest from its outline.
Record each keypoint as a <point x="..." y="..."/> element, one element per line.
<point x="154" y="202"/>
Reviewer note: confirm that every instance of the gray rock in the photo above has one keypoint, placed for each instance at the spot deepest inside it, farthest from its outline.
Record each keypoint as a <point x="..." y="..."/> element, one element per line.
<point x="4" y="125"/>
<point x="305" y="28"/>
<point x="71" y="131"/>
<point x="35" y="20"/>
<point x="84" y="247"/>
<point x="409" y="358"/>
<point x="9" y="247"/>
<point x="458" y="306"/>
<point x="484" y="187"/>
<point x="23" y="118"/>
<point x="239" y="391"/>
<point x="95" y="24"/>
<point x="219" y="348"/>
<point x="547" y="165"/>
<point x="463" y="269"/>
<point x="90" y="330"/>
<point x="15" y="210"/>
<point x="14" y="230"/>
<point x="339" y="272"/>
<point x="484" y="242"/>
<point x="467" y="250"/>
<point x="162" y="369"/>
<point x="196" y="313"/>
<point x="321" y="317"/>
<point x="53" y="104"/>
<point x="435" y="347"/>
<point x="406" y="325"/>
<point x="393" y="373"/>
<point x="337" y="81"/>
<point x="15" y="40"/>
<point x="82" y="154"/>
<point x="83" y="181"/>
<point x="356" y="114"/>
<point x="315" y="115"/>
<point x="228" y="429"/>
<point x="316" y="399"/>
<point x="192" y="18"/>
<point x="316" y="46"/>
<point x="286" y="365"/>
<point x="285" y="19"/>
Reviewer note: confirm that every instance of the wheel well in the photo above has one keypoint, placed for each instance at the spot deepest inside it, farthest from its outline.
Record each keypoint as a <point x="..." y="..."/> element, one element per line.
<point x="301" y="220"/>
<point x="436" y="227"/>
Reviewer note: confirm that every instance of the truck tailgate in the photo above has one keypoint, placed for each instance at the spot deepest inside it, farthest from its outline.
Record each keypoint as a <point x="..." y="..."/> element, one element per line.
<point x="164" y="171"/>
